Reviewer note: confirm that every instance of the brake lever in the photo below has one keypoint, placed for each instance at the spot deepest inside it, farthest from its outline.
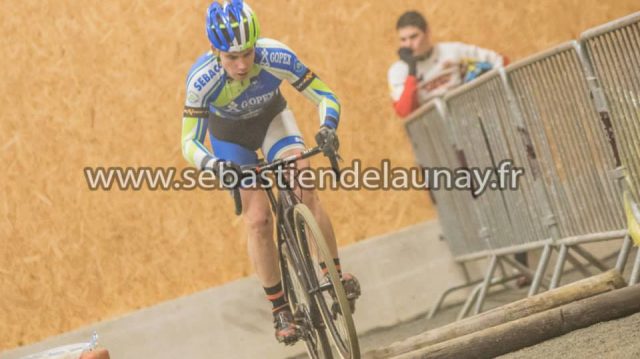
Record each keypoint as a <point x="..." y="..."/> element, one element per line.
<point x="238" y="200"/>
<point x="333" y="159"/>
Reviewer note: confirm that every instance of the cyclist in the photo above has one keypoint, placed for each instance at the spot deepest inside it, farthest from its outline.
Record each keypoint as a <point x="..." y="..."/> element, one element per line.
<point x="233" y="92"/>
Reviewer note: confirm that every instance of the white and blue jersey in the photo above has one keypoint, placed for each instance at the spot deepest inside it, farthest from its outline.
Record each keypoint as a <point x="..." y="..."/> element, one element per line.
<point x="213" y="96"/>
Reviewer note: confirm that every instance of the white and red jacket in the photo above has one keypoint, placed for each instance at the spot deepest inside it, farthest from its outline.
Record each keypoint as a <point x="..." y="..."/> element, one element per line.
<point x="435" y="75"/>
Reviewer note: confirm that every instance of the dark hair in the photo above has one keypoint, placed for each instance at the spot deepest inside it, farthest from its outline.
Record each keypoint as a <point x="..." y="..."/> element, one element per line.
<point x="412" y="18"/>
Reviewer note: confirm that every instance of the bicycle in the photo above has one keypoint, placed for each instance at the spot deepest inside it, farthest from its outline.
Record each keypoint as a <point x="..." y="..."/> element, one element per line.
<point x="301" y="247"/>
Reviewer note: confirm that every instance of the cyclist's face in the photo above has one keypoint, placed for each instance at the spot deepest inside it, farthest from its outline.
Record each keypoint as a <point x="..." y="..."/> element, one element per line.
<point x="415" y="39"/>
<point x="237" y="64"/>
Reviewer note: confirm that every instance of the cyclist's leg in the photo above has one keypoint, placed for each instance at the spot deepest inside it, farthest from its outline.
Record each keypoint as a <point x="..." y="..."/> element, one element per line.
<point x="263" y="253"/>
<point x="259" y="224"/>
<point x="284" y="139"/>
<point x="262" y="250"/>
<point x="256" y="216"/>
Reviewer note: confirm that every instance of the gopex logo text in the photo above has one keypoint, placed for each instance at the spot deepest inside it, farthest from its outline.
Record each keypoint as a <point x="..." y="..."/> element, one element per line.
<point x="258" y="100"/>
<point x="280" y="58"/>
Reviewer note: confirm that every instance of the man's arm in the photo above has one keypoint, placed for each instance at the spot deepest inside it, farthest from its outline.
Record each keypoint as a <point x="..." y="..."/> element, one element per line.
<point x="408" y="101"/>
<point x="466" y="51"/>
<point x="404" y="89"/>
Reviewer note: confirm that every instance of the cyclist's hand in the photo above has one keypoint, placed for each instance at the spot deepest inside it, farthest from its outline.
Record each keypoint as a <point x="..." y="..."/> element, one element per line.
<point x="406" y="55"/>
<point x="227" y="172"/>
<point x="327" y="140"/>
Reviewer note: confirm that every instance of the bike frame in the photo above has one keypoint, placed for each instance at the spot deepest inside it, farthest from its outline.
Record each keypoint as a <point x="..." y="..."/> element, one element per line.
<point x="297" y="250"/>
<point x="282" y="208"/>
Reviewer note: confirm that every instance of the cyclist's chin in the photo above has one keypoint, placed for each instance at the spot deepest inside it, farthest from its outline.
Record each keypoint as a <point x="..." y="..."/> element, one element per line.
<point x="240" y="76"/>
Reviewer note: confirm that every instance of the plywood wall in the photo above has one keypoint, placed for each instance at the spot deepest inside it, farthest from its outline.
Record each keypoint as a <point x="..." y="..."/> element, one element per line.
<point x="101" y="83"/>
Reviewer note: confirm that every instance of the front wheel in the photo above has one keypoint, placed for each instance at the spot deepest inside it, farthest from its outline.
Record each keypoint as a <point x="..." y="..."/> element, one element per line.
<point x="329" y="294"/>
<point x="303" y="308"/>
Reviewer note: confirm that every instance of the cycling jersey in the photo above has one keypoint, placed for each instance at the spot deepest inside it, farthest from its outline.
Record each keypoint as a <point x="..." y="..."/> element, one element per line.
<point x="212" y="96"/>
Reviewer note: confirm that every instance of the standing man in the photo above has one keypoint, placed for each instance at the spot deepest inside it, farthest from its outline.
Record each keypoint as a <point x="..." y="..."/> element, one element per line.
<point x="426" y="70"/>
<point x="233" y="93"/>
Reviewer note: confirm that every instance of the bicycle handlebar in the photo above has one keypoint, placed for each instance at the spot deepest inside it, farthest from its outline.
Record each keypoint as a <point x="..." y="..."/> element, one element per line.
<point x="283" y="162"/>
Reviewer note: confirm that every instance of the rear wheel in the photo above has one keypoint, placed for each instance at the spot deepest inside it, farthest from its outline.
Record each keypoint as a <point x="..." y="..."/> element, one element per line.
<point x="329" y="294"/>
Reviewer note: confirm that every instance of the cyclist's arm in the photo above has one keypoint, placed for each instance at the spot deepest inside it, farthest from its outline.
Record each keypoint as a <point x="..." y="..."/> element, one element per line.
<point x="194" y="129"/>
<point x="303" y="80"/>
<point x="317" y="91"/>
<point x="203" y="84"/>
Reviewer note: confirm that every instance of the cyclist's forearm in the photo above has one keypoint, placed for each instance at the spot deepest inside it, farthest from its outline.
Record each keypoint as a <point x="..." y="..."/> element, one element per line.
<point x="193" y="149"/>
<point x="328" y="105"/>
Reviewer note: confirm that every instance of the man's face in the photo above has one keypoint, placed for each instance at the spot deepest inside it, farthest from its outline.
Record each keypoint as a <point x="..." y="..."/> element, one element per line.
<point x="415" y="39"/>
<point x="238" y="64"/>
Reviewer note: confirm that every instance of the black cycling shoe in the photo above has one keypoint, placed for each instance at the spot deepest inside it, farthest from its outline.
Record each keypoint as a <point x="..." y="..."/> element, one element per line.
<point x="287" y="331"/>
<point x="351" y="289"/>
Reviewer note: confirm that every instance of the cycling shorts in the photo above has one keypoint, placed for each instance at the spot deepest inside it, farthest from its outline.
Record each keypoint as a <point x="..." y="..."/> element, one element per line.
<point x="238" y="140"/>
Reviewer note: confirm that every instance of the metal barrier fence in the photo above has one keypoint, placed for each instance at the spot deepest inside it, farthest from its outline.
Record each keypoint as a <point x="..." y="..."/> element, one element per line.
<point x="577" y="164"/>
<point x="480" y="114"/>
<point x="553" y="96"/>
<point x="547" y="115"/>
<point x="448" y="157"/>
<point x="613" y="52"/>
<point x="433" y="148"/>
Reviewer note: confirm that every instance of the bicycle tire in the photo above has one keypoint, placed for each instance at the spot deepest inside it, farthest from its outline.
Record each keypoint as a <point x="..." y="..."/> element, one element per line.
<point x="316" y="339"/>
<point x="346" y="342"/>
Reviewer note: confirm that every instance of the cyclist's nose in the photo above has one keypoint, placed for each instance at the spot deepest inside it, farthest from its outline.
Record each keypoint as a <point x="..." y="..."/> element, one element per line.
<point x="243" y="65"/>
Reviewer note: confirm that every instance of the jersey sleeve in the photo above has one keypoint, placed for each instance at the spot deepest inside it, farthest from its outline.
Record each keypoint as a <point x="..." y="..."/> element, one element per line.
<point x="282" y="62"/>
<point x="202" y="86"/>
<point x="403" y="88"/>
<point x="396" y="77"/>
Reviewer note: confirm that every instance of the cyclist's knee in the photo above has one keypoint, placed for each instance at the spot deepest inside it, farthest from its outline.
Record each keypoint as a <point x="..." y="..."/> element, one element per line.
<point x="258" y="220"/>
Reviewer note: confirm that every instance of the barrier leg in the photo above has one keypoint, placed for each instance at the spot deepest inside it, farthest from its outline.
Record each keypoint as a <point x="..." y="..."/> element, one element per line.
<point x="444" y="294"/>
<point x="503" y="272"/>
<point x="526" y="271"/>
<point x="624" y="254"/>
<point x="579" y="266"/>
<point x="486" y="284"/>
<point x="590" y="258"/>
<point x="557" y="273"/>
<point x="465" y="272"/>
<point x="542" y="267"/>
<point x="467" y="304"/>
<point x="635" y="273"/>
